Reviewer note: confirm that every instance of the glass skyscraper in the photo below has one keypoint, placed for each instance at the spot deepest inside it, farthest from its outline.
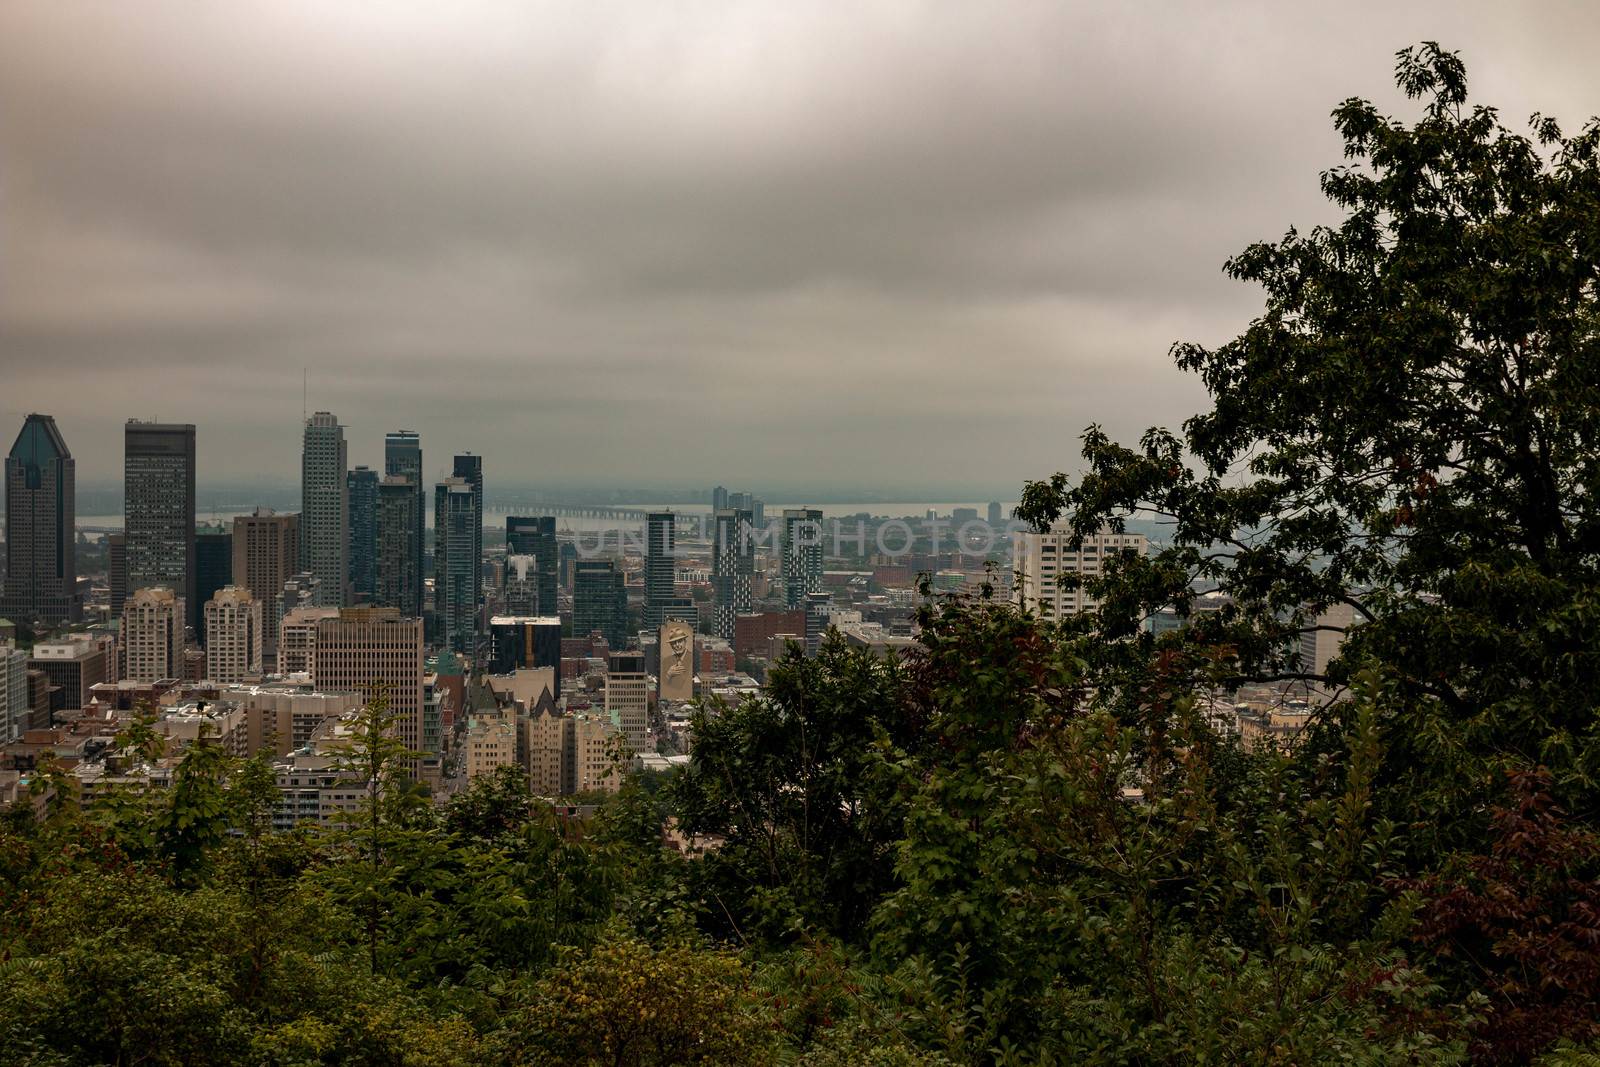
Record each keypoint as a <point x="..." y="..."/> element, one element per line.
<point x="158" y="511"/>
<point x="325" y="508"/>
<point x="362" y="484"/>
<point x="41" y="532"/>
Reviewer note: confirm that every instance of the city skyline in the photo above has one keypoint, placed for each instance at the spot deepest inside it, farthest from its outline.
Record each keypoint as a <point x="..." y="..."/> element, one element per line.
<point x="890" y="231"/>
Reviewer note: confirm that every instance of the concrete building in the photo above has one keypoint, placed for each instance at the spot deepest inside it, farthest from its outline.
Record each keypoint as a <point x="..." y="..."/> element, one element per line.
<point x="397" y="574"/>
<point x="361" y="486"/>
<point x="592" y="765"/>
<point x="152" y="638"/>
<point x="266" y="554"/>
<point x="628" y="699"/>
<point x="1041" y="560"/>
<point x="15" y="708"/>
<point x="375" y="650"/>
<point x="545" y="738"/>
<point x="402" y="458"/>
<point x="158" y="510"/>
<point x="325" y="508"/>
<point x="233" y="635"/>
<point x="491" y="743"/>
<point x="752" y="633"/>
<point x="1320" y="644"/>
<point x="41" y="572"/>
<point x="819" y="609"/>
<point x="72" y="667"/>
<point x="732" y="567"/>
<point x="297" y="640"/>
<point x="802" y="555"/>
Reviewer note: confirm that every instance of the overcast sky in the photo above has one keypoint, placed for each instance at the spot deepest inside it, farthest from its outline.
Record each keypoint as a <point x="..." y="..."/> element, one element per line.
<point x="899" y="246"/>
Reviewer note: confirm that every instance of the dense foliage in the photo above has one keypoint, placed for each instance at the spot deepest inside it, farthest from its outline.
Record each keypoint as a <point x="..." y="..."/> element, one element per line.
<point x="1027" y="843"/>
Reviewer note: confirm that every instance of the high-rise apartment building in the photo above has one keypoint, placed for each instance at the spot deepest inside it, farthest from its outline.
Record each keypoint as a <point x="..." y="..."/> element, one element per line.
<point x="536" y="536"/>
<point x="297" y="639"/>
<point x="375" y="651"/>
<point x="719" y="498"/>
<point x="152" y="636"/>
<point x="1041" y="560"/>
<point x="325" y="507"/>
<point x="158" y="509"/>
<point x="802" y="554"/>
<point x="266" y="554"/>
<point x="362" y="486"/>
<point x="41" y="536"/>
<point x="819" y="610"/>
<point x="402" y="458"/>
<point x="397" y="574"/>
<point x="457" y="565"/>
<point x="15" y="706"/>
<point x="233" y="635"/>
<point x="599" y="600"/>
<point x="732" y="568"/>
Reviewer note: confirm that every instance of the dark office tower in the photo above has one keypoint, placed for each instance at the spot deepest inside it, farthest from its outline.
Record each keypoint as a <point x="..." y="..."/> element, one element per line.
<point x="402" y="457"/>
<point x="599" y="600"/>
<point x="266" y="554"/>
<point x="362" y="484"/>
<point x="213" y="566"/>
<point x="660" y="566"/>
<point x="117" y="571"/>
<point x="802" y="554"/>
<point x="158" y="511"/>
<point x="41" y="535"/>
<point x="995" y="515"/>
<point x="732" y="566"/>
<point x="719" y="498"/>
<point x="325" y="508"/>
<point x="457" y="577"/>
<point x="469" y="468"/>
<point x="398" y="577"/>
<point x="536" y="536"/>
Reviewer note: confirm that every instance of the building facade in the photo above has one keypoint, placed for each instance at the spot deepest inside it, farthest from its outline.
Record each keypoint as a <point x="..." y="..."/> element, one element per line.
<point x="266" y="554"/>
<point x="361" y="485"/>
<point x="375" y="651"/>
<point x="397" y="573"/>
<point x="535" y="535"/>
<point x="158" y="509"/>
<point x="732" y="567"/>
<point x="41" y="533"/>
<point x="802" y="554"/>
<point x="233" y="618"/>
<point x="1042" y="560"/>
<point x="325" y="507"/>
<point x="152" y="635"/>
<point x="402" y="458"/>
<point x="599" y="600"/>
<point x="213" y="565"/>
<point x="457" y="564"/>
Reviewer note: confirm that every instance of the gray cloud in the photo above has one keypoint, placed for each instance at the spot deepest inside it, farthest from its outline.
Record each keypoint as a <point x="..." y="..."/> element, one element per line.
<point x="888" y="244"/>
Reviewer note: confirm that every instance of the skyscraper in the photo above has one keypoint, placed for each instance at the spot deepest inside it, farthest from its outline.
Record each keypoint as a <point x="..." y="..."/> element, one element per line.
<point x="325" y="507"/>
<point x="536" y="536"/>
<point x="599" y="600"/>
<point x="660" y="566"/>
<point x="719" y="498"/>
<point x="117" y="571"/>
<point x="732" y="567"/>
<point x="266" y="554"/>
<point x="457" y="566"/>
<point x="628" y="699"/>
<point x="470" y="468"/>
<point x="41" y="535"/>
<point x="362" y="484"/>
<point x="802" y="554"/>
<point x="402" y="457"/>
<point x="158" y="510"/>
<point x="996" y="515"/>
<point x="398" y="572"/>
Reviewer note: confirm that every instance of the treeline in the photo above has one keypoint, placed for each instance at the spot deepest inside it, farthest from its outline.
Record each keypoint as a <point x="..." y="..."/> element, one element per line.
<point x="1029" y="842"/>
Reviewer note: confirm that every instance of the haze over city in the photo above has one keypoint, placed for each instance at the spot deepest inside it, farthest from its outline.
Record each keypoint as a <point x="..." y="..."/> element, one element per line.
<point x="906" y="249"/>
